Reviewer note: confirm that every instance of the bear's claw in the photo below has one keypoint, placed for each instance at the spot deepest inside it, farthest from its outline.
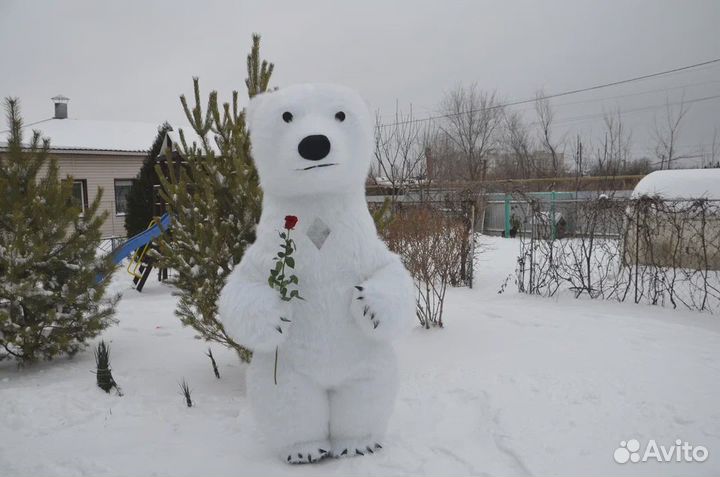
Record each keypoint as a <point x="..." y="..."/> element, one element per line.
<point x="353" y="448"/>
<point x="366" y="309"/>
<point x="309" y="455"/>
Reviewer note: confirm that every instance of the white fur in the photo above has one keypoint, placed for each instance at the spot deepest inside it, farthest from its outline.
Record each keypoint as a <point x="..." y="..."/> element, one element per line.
<point x="337" y="369"/>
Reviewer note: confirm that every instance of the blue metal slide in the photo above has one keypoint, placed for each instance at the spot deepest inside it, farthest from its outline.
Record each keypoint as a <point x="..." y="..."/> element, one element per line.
<point x="140" y="240"/>
<point x="125" y="249"/>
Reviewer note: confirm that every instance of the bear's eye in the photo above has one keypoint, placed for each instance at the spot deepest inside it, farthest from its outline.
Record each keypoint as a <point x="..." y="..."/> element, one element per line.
<point x="340" y="116"/>
<point x="287" y="116"/>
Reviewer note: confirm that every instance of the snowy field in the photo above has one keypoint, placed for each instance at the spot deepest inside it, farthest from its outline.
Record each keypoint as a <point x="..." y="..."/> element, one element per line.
<point x="514" y="385"/>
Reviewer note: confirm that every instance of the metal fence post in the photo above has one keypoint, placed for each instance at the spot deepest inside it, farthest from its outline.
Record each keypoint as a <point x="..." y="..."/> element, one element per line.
<point x="472" y="244"/>
<point x="507" y="215"/>
<point x="553" y="198"/>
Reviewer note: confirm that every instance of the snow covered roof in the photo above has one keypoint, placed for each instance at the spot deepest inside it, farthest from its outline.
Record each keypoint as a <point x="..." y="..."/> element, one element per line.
<point x="680" y="184"/>
<point x="190" y="137"/>
<point x="83" y="135"/>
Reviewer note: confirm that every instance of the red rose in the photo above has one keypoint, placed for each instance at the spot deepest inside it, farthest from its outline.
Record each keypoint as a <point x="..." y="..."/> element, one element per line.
<point x="290" y="222"/>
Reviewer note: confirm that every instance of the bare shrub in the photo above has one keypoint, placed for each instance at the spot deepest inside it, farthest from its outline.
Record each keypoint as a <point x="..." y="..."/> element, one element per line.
<point x="431" y="245"/>
<point x="643" y="250"/>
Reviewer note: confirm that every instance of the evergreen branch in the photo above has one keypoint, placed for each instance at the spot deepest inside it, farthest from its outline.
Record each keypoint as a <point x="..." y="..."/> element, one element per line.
<point x="186" y="392"/>
<point x="214" y="364"/>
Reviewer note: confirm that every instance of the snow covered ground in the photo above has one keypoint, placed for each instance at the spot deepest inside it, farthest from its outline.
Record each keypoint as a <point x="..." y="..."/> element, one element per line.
<point x="514" y="385"/>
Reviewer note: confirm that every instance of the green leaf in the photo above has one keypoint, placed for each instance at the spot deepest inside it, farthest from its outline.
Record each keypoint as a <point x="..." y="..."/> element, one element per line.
<point x="273" y="272"/>
<point x="280" y="254"/>
<point x="282" y="235"/>
<point x="293" y="279"/>
<point x="290" y="262"/>
<point x="294" y="294"/>
<point x="271" y="282"/>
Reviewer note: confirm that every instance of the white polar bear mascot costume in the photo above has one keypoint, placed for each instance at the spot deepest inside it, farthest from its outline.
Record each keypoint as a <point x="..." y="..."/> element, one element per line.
<point x="336" y="368"/>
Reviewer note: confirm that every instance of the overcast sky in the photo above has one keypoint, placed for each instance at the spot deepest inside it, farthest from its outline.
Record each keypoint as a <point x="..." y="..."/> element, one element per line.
<point x="130" y="60"/>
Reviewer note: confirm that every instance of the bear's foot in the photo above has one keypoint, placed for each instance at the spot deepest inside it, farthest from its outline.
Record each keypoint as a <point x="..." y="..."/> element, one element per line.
<point x="306" y="452"/>
<point x="354" y="447"/>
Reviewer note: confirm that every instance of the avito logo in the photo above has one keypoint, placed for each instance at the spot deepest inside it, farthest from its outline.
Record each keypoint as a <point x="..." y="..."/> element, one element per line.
<point x="629" y="451"/>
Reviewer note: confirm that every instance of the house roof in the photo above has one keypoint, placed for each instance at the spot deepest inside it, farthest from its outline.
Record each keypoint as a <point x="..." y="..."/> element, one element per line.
<point x="190" y="137"/>
<point x="86" y="136"/>
<point x="680" y="184"/>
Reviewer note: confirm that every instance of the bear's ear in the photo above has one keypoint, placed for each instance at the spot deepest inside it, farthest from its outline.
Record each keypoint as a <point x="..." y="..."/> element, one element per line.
<point x="254" y="108"/>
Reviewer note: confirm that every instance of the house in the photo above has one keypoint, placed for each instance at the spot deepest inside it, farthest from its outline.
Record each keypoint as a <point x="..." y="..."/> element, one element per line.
<point x="97" y="154"/>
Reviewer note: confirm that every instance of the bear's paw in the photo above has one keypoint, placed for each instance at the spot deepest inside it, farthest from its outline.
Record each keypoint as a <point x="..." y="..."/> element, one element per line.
<point x="306" y="452"/>
<point x="354" y="447"/>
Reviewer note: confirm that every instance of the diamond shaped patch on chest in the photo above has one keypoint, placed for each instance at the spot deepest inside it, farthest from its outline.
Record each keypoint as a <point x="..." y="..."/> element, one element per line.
<point x="318" y="232"/>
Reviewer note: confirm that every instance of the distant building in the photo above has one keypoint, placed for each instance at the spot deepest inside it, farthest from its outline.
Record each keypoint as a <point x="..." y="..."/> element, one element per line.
<point x="106" y="154"/>
<point x="684" y="229"/>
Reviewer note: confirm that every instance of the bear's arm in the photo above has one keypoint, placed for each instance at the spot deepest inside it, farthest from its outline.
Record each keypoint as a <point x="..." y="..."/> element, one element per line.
<point x="384" y="305"/>
<point x="251" y="311"/>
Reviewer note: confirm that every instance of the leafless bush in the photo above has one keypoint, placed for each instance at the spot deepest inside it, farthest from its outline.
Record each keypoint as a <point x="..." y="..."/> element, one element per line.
<point x="645" y="250"/>
<point x="431" y="244"/>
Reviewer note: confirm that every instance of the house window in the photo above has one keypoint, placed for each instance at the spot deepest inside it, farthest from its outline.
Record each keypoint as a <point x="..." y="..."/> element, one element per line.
<point x="80" y="196"/>
<point x="122" y="189"/>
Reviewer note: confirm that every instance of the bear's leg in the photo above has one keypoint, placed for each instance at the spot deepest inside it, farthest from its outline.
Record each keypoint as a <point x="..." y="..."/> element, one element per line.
<point x="293" y="415"/>
<point x="360" y="409"/>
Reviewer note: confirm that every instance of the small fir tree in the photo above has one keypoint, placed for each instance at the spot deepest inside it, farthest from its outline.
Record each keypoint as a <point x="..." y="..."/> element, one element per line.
<point x="50" y="299"/>
<point x="104" y="377"/>
<point x="215" y="204"/>
<point x="141" y="198"/>
<point x="186" y="393"/>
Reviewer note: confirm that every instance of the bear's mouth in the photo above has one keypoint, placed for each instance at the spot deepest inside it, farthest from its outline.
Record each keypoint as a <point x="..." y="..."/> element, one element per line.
<point x="317" y="165"/>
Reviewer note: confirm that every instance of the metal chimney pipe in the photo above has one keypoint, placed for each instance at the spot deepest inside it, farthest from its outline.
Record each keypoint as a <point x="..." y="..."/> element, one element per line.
<point x="60" y="106"/>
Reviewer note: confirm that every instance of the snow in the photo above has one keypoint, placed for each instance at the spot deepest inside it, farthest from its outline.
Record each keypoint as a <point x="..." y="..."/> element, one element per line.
<point x="680" y="184"/>
<point x="514" y="385"/>
<point x="191" y="137"/>
<point x="93" y="135"/>
<point x="97" y="135"/>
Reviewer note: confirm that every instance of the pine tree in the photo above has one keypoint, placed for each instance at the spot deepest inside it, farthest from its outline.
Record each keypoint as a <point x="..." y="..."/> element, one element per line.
<point x="215" y="203"/>
<point x="50" y="300"/>
<point x="141" y="198"/>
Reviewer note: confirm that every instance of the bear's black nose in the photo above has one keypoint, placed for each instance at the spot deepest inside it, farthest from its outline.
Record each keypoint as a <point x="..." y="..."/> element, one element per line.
<point x="314" y="148"/>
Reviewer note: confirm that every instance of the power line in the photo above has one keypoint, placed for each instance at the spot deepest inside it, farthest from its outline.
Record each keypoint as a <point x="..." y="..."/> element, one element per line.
<point x="636" y="110"/>
<point x="630" y="95"/>
<point x="28" y="124"/>
<point x="558" y="95"/>
<point x="602" y="99"/>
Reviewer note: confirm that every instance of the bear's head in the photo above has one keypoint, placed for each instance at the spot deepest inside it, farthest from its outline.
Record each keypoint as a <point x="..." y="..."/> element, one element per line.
<point x="310" y="139"/>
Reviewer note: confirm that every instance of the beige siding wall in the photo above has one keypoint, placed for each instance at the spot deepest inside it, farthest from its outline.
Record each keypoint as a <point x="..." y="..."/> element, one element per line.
<point x="101" y="170"/>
